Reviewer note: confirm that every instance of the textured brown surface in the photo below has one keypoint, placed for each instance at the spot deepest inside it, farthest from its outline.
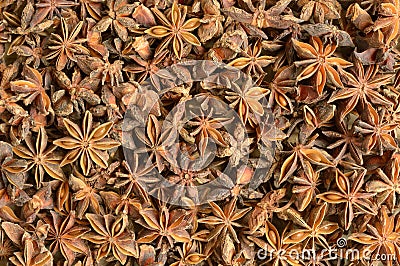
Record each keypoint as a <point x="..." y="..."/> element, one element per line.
<point x="325" y="73"/>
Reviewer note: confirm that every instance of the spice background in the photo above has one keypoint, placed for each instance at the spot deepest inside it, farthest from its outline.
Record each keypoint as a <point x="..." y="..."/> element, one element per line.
<point x="327" y="71"/>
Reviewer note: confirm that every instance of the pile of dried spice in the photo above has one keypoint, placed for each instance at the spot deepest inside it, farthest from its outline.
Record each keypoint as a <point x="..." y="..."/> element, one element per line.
<point x="320" y="118"/>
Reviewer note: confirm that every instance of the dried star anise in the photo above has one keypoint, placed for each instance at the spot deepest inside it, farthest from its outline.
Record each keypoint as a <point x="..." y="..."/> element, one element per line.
<point x="112" y="235"/>
<point x="88" y="144"/>
<point x="32" y="90"/>
<point x="224" y="220"/>
<point x="64" y="47"/>
<point x="66" y="236"/>
<point x="41" y="158"/>
<point x="164" y="223"/>
<point x="175" y="29"/>
<point x="319" y="63"/>
<point x="351" y="194"/>
<point x="213" y="132"/>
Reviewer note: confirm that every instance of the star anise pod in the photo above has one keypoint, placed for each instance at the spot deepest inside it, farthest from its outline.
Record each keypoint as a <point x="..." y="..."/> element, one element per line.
<point x="122" y="203"/>
<point x="41" y="200"/>
<point x="188" y="255"/>
<point x="32" y="254"/>
<point x="388" y="21"/>
<point x="11" y="169"/>
<point x="381" y="238"/>
<point x="147" y="68"/>
<point x="148" y="256"/>
<point x="319" y="117"/>
<point x="88" y="144"/>
<point x="40" y="158"/>
<point x="175" y="29"/>
<point x="379" y="133"/>
<point x="155" y="142"/>
<point x="187" y="177"/>
<point x="246" y="99"/>
<point x="278" y="252"/>
<point x="135" y="177"/>
<point x="205" y="127"/>
<point x="314" y="229"/>
<point x="33" y="90"/>
<point x="74" y="93"/>
<point x="262" y="18"/>
<point x="32" y="51"/>
<point x="111" y="233"/>
<point x="305" y="186"/>
<point x="319" y="10"/>
<point x="106" y="71"/>
<point x="86" y="195"/>
<point x="47" y="8"/>
<point x="302" y="153"/>
<point x="350" y="192"/>
<point x="118" y="16"/>
<point x="239" y="146"/>
<point x="143" y="15"/>
<point x="267" y="206"/>
<point x="224" y="220"/>
<point x="362" y="88"/>
<point x="211" y="23"/>
<point x="91" y="7"/>
<point x="21" y="29"/>
<point x="388" y="184"/>
<point x="281" y="84"/>
<point x="7" y="248"/>
<point x="319" y="61"/>
<point x="65" y="235"/>
<point x="64" y="47"/>
<point x="163" y="223"/>
<point x="252" y="62"/>
<point x="348" y="138"/>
